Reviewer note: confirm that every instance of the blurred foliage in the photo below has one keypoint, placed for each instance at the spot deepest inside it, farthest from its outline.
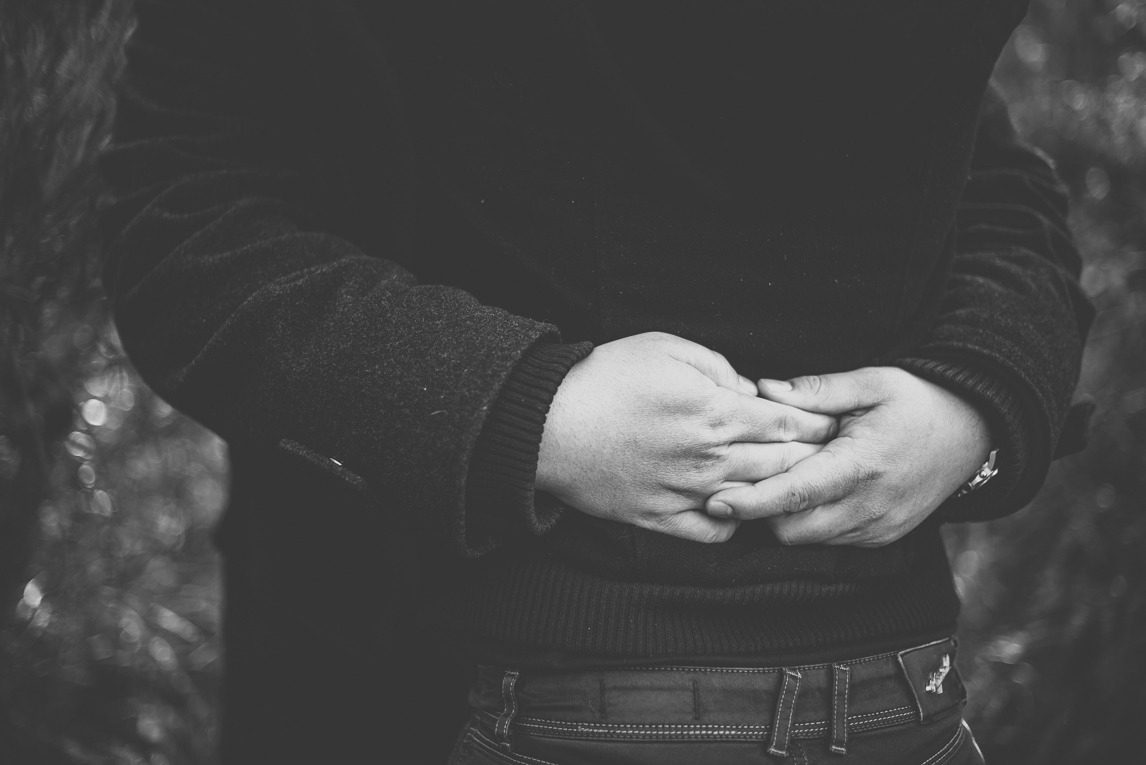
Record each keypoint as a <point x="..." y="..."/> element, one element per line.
<point x="1054" y="620"/>
<point x="115" y="653"/>
<point x="109" y="647"/>
<point x="57" y="61"/>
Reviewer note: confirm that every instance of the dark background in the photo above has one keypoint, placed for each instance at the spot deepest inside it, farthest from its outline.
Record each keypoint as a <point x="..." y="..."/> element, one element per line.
<point x="109" y="585"/>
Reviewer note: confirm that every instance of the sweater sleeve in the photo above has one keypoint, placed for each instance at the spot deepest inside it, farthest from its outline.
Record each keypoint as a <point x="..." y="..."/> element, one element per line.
<point x="240" y="305"/>
<point x="1012" y="323"/>
<point x="500" y="496"/>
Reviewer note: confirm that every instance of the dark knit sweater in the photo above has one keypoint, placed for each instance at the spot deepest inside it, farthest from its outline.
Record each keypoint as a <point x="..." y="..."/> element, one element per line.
<point x="380" y="234"/>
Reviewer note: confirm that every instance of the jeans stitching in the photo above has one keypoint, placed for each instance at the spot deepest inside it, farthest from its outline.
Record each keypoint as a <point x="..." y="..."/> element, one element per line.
<point x="779" y="712"/>
<point x="854" y="722"/>
<point x="882" y="722"/>
<point x="736" y="670"/>
<point x="493" y="750"/>
<point x="782" y="733"/>
<point x="540" y="723"/>
<point x="696" y="732"/>
<point x="636" y="735"/>
<point x="885" y="722"/>
<point x="847" y="701"/>
<point x="792" y="710"/>
<point x="881" y="713"/>
<point x="760" y="670"/>
<point x="974" y="743"/>
<point x="948" y="749"/>
<point x="476" y="737"/>
<point x="509" y="699"/>
<point x="840" y="716"/>
<point x="690" y="730"/>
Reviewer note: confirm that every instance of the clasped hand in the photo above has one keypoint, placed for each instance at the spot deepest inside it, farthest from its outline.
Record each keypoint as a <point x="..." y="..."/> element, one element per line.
<point x="656" y="431"/>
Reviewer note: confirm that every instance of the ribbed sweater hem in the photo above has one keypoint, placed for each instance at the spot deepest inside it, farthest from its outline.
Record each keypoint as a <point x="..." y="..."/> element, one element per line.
<point x="538" y="604"/>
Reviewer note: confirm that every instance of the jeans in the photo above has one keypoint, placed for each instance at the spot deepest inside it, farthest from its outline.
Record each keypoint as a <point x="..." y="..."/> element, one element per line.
<point x="894" y="708"/>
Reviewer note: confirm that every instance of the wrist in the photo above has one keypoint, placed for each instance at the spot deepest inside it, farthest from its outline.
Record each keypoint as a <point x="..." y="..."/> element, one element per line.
<point x="558" y="438"/>
<point x="501" y="479"/>
<point x="985" y="473"/>
<point x="999" y="399"/>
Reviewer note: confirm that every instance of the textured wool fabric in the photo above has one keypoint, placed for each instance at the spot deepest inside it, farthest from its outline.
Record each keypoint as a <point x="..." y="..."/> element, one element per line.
<point x="504" y="462"/>
<point x="364" y="242"/>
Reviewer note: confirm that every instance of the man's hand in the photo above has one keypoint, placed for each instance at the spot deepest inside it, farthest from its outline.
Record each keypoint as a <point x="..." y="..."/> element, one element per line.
<point x="644" y="429"/>
<point x="904" y="446"/>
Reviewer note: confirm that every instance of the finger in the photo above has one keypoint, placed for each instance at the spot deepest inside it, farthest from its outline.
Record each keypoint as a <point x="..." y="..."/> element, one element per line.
<point x="828" y="524"/>
<point x="829" y="394"/>
<point x="716" y="368"/>
<point x="698" y="527"/>
<point x="759" y="420"/>
<point x="827" y="476"/>
<point x="752" y="462"/>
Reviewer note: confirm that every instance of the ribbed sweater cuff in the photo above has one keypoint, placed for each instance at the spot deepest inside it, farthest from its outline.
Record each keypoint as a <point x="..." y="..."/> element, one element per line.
<point x="503" y="467"/>
<point x="1010" y="432"/>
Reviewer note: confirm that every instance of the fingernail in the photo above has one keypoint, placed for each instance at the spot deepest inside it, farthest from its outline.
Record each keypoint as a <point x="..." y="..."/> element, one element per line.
<point x="719" y="509"/>
<point x="748" y="385"/>
<point x="776" y="386"/>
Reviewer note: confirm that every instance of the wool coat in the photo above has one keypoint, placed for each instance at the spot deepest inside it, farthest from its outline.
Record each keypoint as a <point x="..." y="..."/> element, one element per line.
<point x="364" y="242"/>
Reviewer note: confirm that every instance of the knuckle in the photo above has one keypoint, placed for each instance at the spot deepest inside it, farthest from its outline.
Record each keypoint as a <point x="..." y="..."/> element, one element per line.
<point x="866" y="476"/>
<point x="692" y="483"/>
<point x="785" y="427"/>
<point x="792" y="454"/>
<point x="788" y="458"/>
<point x="719" y="418"/>
<point x="796" y="497"/>
<point x="712" y="466"/>
<point x="812" y="384"/>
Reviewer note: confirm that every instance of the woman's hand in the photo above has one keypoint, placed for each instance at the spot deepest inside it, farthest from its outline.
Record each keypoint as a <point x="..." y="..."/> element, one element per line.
<point x="904" y="446"/>
<point x="644" y="429"/>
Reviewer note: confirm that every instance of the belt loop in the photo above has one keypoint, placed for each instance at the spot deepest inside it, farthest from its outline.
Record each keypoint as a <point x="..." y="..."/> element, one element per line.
<point x="509" y="700"/>
<point x="785" y="711"/>
<point x="840" y="676"/>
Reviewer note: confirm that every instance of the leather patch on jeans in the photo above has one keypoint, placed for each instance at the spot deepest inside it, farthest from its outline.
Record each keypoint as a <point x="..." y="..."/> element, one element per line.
<point x="935" y="683"/>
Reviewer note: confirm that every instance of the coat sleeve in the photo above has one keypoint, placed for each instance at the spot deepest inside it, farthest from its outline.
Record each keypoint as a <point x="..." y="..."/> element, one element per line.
<point x="242" y="307"/>
<point x="1013" y="320"/>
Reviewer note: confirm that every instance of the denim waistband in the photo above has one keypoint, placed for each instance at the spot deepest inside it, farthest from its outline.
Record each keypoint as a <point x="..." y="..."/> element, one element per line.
<point x="724" y="703"/>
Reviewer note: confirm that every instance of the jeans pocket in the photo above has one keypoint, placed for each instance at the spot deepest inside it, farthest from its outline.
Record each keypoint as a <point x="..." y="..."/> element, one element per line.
<point x="968" y="751"/>
<point x="946" y="741"/>
<point x="475" y="747"/>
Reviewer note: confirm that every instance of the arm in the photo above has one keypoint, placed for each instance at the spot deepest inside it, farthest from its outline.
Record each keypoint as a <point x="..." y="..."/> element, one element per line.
<point x="997" y="369"/>
<point x="1014" y="316"/>
<point x="243" y="302"/>
<point x="239" y="303"/>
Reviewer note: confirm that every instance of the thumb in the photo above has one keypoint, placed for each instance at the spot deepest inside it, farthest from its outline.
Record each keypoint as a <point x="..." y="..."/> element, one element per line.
<point x="698" y="527"/>
<point x="828" y="394"/>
